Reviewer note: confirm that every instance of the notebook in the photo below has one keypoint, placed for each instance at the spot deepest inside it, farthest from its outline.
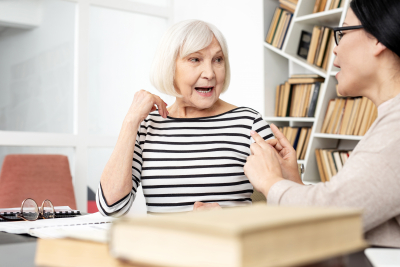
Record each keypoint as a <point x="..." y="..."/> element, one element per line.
<point x="61" y="212"/>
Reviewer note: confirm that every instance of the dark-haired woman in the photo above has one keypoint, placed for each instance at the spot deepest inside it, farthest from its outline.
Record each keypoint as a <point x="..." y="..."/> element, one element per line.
<point x="368" y="54"/>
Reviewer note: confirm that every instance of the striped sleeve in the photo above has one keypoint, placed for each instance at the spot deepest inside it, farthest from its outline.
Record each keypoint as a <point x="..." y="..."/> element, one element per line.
<point x="262" y="128"/>
<point x="122" y="206"/>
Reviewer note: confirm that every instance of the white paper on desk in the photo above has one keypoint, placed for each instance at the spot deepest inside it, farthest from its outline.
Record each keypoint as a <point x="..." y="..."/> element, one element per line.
<point x="51" y="227"/>
<point x="383" y="257"/>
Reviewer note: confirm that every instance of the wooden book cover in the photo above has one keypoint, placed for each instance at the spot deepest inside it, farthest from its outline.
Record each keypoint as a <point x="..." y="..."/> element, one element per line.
<point x="305" y="80"/>
<point x="353" y="116"/>
<point x="346" y="116"/>
<point x="319" y="165"/>
<point x="324" y="45"/>
<point x="328" y="115"/>
<point x="286" y="97"/>
<point x="286" y="7"/>
<point x="71" y="252"/>
<point x="366" y="117"/>
<point x="318" y="49"/>
<point x="304" y="151"/>
<point x="360" y="115"/>
<point x="322" y="5"/>
<point x="329" y="51"/>
<point x="231" y="235"/>
<point x="313" y="45"/>
<point x="279" y="28"/>
<point x="326" y="165"/>
<point x="300" y="100"/>
<point x="332" y="164"/>
<point x="328" y="4"/>
<point x="281" y="98"/>
<point x="293" y="99"/>
<point x="285" y="30"/>
<point x="274" y="23"/>
<point x="316" y="6"/>
<point x="288" y="3"/>
<point x="310" y="89"/>
<point x="335" y="115"/>
<point x="340" y="117"/>
<point x="302" y="139"/>
<point x="277" y="94"/>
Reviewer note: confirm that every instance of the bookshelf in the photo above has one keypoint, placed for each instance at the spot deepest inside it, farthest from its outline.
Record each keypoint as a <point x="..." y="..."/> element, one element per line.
<point x="279" y="64"/>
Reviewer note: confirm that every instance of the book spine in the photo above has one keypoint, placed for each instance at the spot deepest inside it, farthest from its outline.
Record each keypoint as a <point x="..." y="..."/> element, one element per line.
<point x="313" y="104"/>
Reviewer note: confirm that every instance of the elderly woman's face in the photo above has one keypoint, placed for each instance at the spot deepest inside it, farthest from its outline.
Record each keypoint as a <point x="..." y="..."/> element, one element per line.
<point x="200" y="76"/>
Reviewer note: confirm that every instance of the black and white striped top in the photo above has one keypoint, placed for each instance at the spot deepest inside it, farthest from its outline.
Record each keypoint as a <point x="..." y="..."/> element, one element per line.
<point x="180" y="161"/>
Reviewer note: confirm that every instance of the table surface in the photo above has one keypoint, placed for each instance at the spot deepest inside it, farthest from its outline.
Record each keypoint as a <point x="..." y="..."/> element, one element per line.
<point x="19" y="251"/>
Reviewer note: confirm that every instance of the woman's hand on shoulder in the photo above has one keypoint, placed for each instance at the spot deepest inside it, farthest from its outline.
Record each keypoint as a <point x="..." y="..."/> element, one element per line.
<point x="199" y="206"/>
<point x="143" y="103"/>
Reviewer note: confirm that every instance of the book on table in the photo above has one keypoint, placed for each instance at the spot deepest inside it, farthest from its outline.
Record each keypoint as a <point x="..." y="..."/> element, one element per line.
<point x="257" y="235"/>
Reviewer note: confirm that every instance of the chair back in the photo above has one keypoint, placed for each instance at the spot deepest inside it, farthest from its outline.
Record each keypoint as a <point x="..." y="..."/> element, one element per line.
<point x="38" y="177"/>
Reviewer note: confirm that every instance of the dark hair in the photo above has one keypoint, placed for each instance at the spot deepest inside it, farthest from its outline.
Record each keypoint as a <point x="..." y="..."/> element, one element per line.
<point x="381" y="19"/>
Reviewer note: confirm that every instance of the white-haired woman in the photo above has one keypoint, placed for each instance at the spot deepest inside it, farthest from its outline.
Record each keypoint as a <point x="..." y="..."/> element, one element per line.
<point x="191" y="155"/>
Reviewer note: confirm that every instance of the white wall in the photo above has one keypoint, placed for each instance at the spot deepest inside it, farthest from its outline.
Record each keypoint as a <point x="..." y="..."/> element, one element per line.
<point x="241" y="23"/>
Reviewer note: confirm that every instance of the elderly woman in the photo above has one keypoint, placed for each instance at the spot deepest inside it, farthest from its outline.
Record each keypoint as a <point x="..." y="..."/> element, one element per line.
<point x="192" y="152"/>
<point x="368" y="54"/>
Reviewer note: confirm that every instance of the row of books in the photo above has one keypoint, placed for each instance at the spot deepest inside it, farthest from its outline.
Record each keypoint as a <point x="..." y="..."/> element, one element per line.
<point x="321" y="46"/>
<point x="330" y="162"/>
<point x="279" y="27"/>
<point x="299" y="137"/>
<point x="325" y="5"/>
<point x="298" y="96"/>
<point x="349" y="116"/>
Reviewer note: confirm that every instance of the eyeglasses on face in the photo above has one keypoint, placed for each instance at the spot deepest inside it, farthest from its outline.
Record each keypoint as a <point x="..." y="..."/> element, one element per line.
<point x="31" y="212"/>
<point x="338" y="32"/>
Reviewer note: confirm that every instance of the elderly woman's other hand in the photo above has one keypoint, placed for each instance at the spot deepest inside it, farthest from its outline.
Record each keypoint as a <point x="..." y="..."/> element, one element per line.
<point x="288" y="156"/>
<point x="199" y="206"/>
<point x="143" y="103"/>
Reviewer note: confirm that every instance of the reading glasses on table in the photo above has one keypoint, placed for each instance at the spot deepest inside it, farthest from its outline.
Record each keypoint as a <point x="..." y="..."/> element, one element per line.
<point x="31" y="212"/>
<point x="338" y="32"/>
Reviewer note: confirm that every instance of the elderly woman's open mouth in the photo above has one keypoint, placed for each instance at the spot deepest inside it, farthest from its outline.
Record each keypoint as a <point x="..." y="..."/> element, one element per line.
<point x="204" y="91"/>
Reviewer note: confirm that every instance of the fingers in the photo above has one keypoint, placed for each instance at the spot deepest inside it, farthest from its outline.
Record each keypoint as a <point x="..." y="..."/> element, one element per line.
<point x="162" y="106"/>
<point x="279" y="135"/>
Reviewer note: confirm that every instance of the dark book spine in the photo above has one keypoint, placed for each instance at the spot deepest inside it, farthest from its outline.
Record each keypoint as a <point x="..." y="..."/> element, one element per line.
<point x="296" y="140"/>
<point x="314" y="99"/>
<point x="289" y="101"/>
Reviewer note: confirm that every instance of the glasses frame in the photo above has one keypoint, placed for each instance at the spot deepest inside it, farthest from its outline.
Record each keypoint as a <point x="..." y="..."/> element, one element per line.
<point x="339" y="29"/>
<point x="40" y="211"/>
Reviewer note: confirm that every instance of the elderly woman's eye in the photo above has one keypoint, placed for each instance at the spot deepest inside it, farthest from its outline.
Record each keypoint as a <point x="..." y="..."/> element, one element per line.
<point x="194" y="60"/>
<point x="219" y="60"/>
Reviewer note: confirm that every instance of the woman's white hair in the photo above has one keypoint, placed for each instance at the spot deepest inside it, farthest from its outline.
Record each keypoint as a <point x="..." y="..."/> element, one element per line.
<point x="183" y="39"/>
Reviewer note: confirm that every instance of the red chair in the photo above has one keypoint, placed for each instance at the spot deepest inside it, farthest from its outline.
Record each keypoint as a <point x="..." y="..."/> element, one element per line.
<point x="38" y="177"/>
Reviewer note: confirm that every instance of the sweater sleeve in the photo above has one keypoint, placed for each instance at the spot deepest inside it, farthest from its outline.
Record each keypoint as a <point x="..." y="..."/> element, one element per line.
<point x="369" y="181"/>
<point x="123" y="205"/>
<point x="262" y="128"/>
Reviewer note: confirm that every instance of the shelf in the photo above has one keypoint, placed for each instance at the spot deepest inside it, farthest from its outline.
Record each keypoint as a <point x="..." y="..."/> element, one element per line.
<point x="301" y="161"/>
<point x="338" y="136"/>
<point x="296" y="119"/>
<point x="325" y="18"/>
<point x="298" y="60"/>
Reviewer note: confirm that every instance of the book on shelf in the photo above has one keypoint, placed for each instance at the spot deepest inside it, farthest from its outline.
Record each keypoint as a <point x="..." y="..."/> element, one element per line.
<point x="299" y="138"/>
<point x="289" y="5"/>
<point x="321" y="46"/>
<point x="298" y="96"/>
<point x="349" y="116"/>
<point x="330" y="162"/>
<point x="279" y="27"/>
<point x="241" y="236"/>
<point x="325" y="5"/>
<point x="304" y="46"/>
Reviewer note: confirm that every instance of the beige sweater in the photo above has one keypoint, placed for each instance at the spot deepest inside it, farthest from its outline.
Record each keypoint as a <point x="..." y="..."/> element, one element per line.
<point x="369" y="180"/>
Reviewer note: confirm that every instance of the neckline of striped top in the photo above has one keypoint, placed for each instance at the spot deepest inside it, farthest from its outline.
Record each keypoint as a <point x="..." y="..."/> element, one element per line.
<point x="202" y="118"/>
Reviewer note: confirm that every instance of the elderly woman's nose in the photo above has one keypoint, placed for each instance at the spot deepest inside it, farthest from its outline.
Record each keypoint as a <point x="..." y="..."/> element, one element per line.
<point x="208" y="71"/>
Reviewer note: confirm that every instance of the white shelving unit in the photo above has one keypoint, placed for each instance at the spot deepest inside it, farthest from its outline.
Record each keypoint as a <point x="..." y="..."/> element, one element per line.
<point x="280" y="64"/>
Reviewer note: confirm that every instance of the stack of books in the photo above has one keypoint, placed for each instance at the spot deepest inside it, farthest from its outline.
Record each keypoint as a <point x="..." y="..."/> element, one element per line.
<point x="349" y="116"/>
<point x="330" y="162"/>
<point x="321" y="47"/>
<point x="299" y="137"/>
<point x="298" y="96"/>
<point x="325" y="5"/>
<point x="280" y="23"/>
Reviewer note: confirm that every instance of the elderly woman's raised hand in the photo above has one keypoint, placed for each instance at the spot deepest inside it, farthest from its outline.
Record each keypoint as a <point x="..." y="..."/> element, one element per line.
<point x="143" y="103"/>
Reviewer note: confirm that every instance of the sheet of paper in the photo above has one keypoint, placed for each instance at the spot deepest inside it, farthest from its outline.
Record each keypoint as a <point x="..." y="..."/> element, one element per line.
<point x="95" y="219"/>
<point x="383" y="257"/>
